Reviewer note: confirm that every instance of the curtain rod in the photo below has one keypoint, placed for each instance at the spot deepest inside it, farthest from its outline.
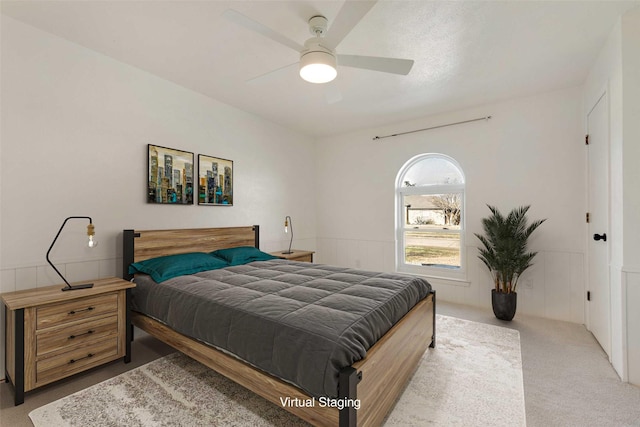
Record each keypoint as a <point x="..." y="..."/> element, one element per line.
<point x="433" y="127"/>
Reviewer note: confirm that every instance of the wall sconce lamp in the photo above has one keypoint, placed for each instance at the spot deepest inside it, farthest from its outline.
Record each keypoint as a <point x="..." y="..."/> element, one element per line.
<point x="91" y="243"/>
<point x="288" y="223"/>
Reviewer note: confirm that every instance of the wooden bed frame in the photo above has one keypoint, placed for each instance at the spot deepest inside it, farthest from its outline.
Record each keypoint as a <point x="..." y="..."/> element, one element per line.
<point x="376" y="381"/>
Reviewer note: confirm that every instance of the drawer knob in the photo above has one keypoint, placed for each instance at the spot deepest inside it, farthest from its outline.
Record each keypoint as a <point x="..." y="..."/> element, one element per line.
<point x="76" y="360"/>
<point x="79" y="335"/>
<point x="79" y="311"/>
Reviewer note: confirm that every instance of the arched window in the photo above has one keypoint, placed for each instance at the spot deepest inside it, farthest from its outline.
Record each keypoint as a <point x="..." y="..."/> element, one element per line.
<point x="430" y="216"/>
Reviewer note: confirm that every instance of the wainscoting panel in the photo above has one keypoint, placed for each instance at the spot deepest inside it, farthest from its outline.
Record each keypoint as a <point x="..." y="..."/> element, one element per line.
<point x="553" y="287"/>
<point x="631" y="281"/>
<point x="564" y="286"/>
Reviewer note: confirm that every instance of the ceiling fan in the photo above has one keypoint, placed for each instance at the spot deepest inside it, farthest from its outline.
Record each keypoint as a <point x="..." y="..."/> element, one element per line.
<point x="318" y="57"/>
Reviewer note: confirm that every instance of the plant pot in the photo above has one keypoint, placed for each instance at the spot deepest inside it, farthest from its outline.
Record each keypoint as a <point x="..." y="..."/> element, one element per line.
<point x="504" y="305"/>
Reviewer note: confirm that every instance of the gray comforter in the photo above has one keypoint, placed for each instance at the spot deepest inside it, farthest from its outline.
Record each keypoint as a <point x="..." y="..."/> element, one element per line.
<point x="298" y="321"/>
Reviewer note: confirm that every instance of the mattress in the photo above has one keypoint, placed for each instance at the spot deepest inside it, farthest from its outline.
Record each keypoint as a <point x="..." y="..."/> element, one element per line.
<point x="298" y="321"/>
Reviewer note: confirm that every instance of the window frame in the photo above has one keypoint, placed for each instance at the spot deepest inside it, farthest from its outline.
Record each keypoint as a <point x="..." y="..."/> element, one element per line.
<point x="435" y="189"/>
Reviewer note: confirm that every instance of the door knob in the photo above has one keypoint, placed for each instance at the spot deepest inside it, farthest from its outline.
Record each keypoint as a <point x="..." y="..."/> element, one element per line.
<point x="602" y="236"/>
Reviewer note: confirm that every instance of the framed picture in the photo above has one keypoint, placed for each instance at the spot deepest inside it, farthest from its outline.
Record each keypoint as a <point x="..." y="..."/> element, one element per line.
<point x="215" y="181"/>
<point x="170" y="176"/>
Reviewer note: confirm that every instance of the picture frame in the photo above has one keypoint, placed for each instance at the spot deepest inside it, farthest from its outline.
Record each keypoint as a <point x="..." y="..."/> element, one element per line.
<point x="170" y="176"/>
<point x="215" y="181"/>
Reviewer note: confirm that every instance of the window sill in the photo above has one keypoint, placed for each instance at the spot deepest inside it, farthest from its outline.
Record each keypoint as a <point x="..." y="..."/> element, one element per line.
<point x="435" y="280"/>
<point x="440" y="280"/>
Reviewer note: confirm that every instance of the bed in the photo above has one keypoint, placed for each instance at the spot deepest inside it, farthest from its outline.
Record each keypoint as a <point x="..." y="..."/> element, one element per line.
<point x="374" y="381"/>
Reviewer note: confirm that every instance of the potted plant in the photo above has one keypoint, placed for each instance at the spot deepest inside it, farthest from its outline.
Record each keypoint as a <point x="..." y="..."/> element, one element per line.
<point x="505" y="253"/>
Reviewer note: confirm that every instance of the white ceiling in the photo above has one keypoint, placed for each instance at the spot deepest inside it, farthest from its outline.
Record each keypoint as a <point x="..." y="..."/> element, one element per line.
<point x="466" y="52"/>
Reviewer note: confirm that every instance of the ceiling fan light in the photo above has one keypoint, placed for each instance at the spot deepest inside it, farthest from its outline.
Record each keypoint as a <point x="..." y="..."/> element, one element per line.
<point x="318" y="67"/>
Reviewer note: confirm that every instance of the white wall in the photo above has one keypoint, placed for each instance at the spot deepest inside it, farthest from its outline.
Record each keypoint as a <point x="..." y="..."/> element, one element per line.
<point x="631" y="135"/>
<point x="617" y="70"/>
<point x="75" y="129"/>
<point x="530" y="152"/>
<point x="630" y="293"/>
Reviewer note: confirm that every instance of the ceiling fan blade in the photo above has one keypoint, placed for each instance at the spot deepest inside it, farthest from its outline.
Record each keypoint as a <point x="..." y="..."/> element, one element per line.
<point x="332" y="93"/>
<point x="351" y="13"/>
<point x="245" y="21"/>
<point x="375" y="63"/>
<point x="269" y="73"/>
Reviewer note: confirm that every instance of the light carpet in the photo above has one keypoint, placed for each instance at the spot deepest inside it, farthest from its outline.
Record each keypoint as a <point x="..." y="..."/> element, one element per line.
<point x="472" y="378"/>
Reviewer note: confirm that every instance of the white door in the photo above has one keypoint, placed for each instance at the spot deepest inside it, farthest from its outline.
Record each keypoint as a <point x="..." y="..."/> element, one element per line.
<point x="599" y="321"/>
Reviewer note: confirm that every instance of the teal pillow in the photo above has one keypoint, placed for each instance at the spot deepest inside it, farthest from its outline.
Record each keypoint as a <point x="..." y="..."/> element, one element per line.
<point x="166" y="267"/>
<point x="242" y="255"/>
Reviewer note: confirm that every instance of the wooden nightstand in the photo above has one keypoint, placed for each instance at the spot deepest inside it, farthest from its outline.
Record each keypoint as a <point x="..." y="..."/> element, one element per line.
<point x="296" y="255"/>
<point x="51" y="334"/>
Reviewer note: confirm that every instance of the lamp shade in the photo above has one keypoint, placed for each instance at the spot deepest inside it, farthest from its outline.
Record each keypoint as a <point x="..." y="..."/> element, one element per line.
<point x="318" y="67"/>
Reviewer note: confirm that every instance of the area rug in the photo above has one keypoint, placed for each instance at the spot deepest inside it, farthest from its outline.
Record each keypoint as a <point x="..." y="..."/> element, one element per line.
<point x="472" y="377"/>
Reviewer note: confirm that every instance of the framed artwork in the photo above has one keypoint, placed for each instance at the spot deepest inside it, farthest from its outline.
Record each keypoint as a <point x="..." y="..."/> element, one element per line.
<point x="170" y="176"/>
<point x="215" y="181"/>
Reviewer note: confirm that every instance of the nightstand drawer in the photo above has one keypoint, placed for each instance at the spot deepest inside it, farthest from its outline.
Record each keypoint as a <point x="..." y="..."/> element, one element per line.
<point x="68" y="337"/>
<point x="77" y="309"/>
<point x="60" y="366"/>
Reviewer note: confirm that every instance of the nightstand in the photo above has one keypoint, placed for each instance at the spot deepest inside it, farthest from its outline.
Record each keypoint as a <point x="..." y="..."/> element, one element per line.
<point x="51" y="334"/>
<point x="296" y="255"/>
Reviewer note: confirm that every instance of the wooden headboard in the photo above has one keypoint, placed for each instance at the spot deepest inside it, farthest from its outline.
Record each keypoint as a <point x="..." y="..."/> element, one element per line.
<point x="139" y="245"/>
